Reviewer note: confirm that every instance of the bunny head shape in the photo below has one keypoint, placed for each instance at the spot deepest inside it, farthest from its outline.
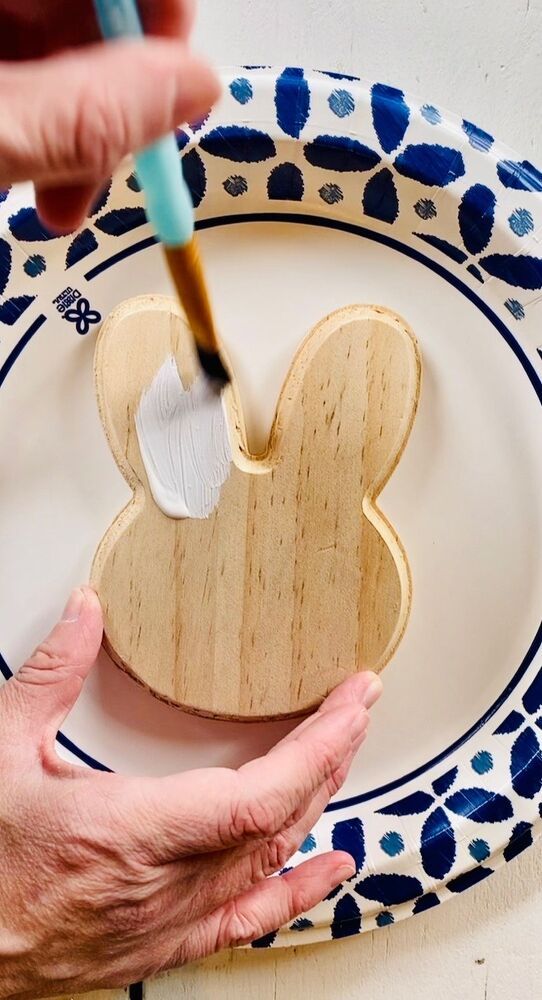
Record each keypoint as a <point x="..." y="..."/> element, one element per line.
<point x="284" y="577"/>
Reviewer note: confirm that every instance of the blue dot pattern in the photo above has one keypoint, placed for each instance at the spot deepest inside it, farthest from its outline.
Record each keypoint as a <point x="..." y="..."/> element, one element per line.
<point x="392" y="843"/>
<point x="35" y="265"/>
<point x="235" y="185"/>
<point x="241" y="90"/>
<point x="515" y="308"/>
<point x="426" y="209"/>
<point x="482" y="762"/>
<point x="521" y="222"/>
<point x="479" y="849"/>
<point x="341" y="103"/>
<point x="431" y="114"/>
<point x="309" y="844"/>
<point x="331" y="193"/>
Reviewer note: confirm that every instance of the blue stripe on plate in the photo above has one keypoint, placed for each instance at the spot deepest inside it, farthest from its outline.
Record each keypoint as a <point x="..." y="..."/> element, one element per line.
<point x="368" y="234"/>
<point x="20" y="346"/>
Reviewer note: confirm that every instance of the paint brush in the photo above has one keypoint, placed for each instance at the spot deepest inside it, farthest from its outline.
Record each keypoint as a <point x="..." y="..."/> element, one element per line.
<point x="170" y="211"/>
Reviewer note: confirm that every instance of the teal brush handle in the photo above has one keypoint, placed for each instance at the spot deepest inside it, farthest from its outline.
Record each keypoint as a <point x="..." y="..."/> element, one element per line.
<point x="168" y="200"/>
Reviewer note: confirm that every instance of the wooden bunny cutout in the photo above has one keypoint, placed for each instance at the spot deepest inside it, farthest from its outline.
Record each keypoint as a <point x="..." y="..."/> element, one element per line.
<point x="295" y="579"/>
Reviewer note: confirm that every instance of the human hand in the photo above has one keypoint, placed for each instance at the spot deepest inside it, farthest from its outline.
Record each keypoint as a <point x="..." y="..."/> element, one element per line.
<point x="73" y="106"/>
<point x="104" y="879"/>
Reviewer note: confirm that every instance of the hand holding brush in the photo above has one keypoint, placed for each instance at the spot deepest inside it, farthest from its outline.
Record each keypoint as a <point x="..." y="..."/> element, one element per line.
<point x="170" y="211"/>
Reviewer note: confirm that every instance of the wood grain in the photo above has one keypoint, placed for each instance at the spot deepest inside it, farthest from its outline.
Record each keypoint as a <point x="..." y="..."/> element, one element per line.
<point x="296" y="579"/>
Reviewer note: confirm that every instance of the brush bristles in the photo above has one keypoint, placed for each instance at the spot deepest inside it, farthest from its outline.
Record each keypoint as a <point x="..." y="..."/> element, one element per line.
<point x="187" y="273"/>
<point x="213" y="366"/>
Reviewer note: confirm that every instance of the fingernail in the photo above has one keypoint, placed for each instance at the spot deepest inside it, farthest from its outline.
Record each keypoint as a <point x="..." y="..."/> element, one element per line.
<point x="343" y="873"/>
<point x="373" y="692"/>
<point x="73" y="608"/>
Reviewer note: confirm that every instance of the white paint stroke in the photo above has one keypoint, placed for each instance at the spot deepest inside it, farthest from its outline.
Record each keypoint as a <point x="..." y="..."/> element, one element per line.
<point x="184" y="443"/>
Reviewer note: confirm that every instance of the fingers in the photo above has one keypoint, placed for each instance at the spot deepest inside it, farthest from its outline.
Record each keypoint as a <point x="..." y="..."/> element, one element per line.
<point x="365" y="686"/>
<point x="168" y="17"/>
<point x="269" y="905"/>
<point x="224" y="874"/>
<point x="40" y="29"/>
<point x="197" y="887"/>
<point x="228" y="873"/>
<point x="31" y="30"/>
<point x="214" y="809"/>
<point x="62" y="209"/>
<point x="269" y="856"/>
<point x="71" y="118"/>
<point x="48" y="684"/>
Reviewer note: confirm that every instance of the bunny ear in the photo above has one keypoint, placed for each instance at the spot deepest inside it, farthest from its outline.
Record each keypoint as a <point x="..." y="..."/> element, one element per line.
<point x="353" y="387"/>
<point x="184" y="443"/>
<point x="139" y="339"/>
<point x="393" y="388"/>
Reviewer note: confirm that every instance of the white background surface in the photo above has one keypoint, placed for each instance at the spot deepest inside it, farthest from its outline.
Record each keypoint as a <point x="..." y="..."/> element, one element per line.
<point x="481" y="59"/>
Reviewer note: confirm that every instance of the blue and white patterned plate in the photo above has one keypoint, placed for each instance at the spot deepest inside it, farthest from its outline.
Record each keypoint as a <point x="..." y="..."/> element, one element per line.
<point x="312" y="191"/>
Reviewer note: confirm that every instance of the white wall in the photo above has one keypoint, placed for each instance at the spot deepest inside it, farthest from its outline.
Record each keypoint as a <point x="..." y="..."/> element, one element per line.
<point x="479" y="58"/>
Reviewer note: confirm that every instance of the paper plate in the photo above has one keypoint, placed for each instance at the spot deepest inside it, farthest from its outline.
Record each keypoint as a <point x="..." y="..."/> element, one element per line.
<point x="314" y="191"/>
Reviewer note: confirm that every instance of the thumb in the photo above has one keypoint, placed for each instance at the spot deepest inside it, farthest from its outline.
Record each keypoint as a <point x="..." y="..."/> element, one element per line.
<point x="71" y="117"/>
<point x="48" y="684"/>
